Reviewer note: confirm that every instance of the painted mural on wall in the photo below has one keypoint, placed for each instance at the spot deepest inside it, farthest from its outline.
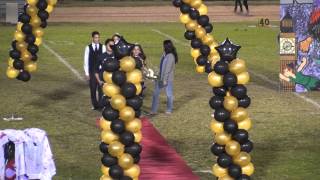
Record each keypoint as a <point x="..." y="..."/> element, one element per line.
<point x="304" y="71"/>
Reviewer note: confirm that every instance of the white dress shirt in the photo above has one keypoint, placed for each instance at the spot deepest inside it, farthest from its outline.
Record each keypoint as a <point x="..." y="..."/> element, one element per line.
<point x="86" y="56"/>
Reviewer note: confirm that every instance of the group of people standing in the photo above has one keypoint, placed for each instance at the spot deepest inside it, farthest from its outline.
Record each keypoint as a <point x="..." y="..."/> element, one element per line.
<point x="239" y="3"/>
<point x="96" y="54"/>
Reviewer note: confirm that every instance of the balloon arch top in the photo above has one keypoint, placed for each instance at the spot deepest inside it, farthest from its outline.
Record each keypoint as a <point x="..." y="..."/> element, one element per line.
<point x="120" y="123"/>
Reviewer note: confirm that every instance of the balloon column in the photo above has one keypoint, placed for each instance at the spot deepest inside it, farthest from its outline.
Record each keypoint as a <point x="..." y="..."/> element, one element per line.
<point x="120" y="123"/>
<point x="28" y="37"/>
<point x="227" y="76"/>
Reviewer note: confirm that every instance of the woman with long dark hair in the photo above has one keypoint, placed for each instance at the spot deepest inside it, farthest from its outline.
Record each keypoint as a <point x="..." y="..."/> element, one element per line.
<point x="166" y="76"/>
<point x="138" y="54"/>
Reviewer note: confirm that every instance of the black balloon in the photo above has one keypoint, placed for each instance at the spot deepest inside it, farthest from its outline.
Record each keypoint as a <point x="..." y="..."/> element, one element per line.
<point x="230" y="126"/>
<point x="136" y="159"/>
<point x="24" y="18"/>
<point x="105" y="101"/>
<point x="135" y="149"/>
<point x="189" y="35"/>
<point x="196" y="43"/>
<point x="244" y="177"/>
<point x="177" y="3"/>
<point x="119" y="77"/>
<point x="203" y="20"/>
<point x="194" y="14"/>
<point x="217" y="149"/>
<point x="110" y="114"/>
<point x="122" y="48"/>
<point x="42" y="4"/>
<point x="216" y="102"/>
<point x="241" y="136"/>
<point x="108" y="160"/>
<point x="224" y="160"/>
<point x="230" y="80"/>
<point x="24" y="76"/>
<point x="117" y="126"/>
<point x="103" y="147"/>
<point x="202" y="60"/>
<point x="219" y="91"/>
<point x="244" y="102"/>
<point x="116" y="172"/>
<point x="33" y="49"/>
<point x="227" y="50"/>
<point x="34" y="57"/>
<point x="208" y="67"/>
<point x="15" y="54"/>
<point x="43" y="24"/>
<point x="208" y="28"/>
<point x="30" y="39"/>
<point x="128" y="90"/>
<point x="26" y="28"/>
<point x="221" y="67"/>
<point x="185" y="8"/>
<point x="14" y="44"/>
<point x="18" y="64"/>
<point x="43" y="15"/>
<point x="205" y="50"/>
<point x="239" y="91"/>
<point x="139" y="64"/>
<point x="221" y="114"/>
<point x="125" y="178"/>
<point x="135" y="102"/>
<point x="234" y="171"/>
<point x="247" y="146"/>
<point x="138" y="113"/>
<point x="127" y="138"/>
<point x="111" y="65"/>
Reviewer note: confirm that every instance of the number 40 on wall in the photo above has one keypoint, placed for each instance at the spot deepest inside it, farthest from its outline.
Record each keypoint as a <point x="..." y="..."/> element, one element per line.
<point x="264" y="22"/>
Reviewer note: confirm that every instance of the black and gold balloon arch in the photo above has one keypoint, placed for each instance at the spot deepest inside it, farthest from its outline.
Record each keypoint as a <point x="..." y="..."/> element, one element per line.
<point x="120" y="123"/>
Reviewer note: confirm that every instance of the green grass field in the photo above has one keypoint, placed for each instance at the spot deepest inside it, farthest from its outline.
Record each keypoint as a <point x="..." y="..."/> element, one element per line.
<point x="286" y="128"/>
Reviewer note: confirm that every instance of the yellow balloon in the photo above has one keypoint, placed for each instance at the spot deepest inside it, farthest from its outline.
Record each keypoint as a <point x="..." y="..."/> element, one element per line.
<point x="19" y="36"/>
<point x="30" y="66"/>
<point x="116" y="149"/>
<point x="32" y="2"/>
<point x="200" y="69"/>
<point x="203" y="9"/>
<point x="108" y="136"/>
<point x="184" y="18"/>
<point x="239" y="114"/>
<point x="126" y="161"/>
<point x="230" y="103"/>
<point x="216" y="126"/>
<point x="196" y="3"/>
<point x="127" y="64"/>
<point x="218" y="171"/>
<point x="105" y="124"/>
<point x="214" y="58"/>
<point x="222" y="138"/>
<point x="233" y="148"/>
<point x="134" y="125"/>
<point x="208" y="39"/>
<point x="139" y="88"/>
<point x="215" y="79"/>
<point x="107" y="77"/>
<point x="245" y="124"/>
<point x="242" y="159"/>
<point x="200" y="32"/>
<point x="133" y="171"/>
<point x="248" y="169"/>
<point x="191" y="25"/>
<point x="12" y="73"/>
<point x="10" y="62"/>
<point x="22" y="46"/>
<point x="19" y="26"/>
<point x="110" y="89"/>
<point x="26" y="56"/>
<point x="137" y="137"/>
<point x="127" y="114"/>
<point x="104" y="177"/>
<point x="134" y="76"/>
<point x="237" y="66"/>
<point x="52" y="2"/>
<point x="38" y="41"/>
<point x="226" y="177"/>
<point x="35" y="22"/>
<point x="118" y="102"/>
<point x="243" y="78"/>
<point x="105" y="170"/>
<point x="49" y="8"/>
<point x="38" y="32"/>
<point x="195" y="53"/>
<point x="32" y="11"/>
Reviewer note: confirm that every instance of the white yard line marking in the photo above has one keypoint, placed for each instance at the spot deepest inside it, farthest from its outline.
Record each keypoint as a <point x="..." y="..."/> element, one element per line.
<point x="261" y="76"/>
<point x="203" y="171"/>
<point x="65" y="62"/>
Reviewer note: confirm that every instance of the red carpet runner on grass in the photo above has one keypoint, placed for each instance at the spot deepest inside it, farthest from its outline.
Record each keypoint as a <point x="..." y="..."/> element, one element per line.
<point x="159" y="161"/>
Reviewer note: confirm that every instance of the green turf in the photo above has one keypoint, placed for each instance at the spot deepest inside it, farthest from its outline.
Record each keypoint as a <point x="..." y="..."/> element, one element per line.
<point x="285" y="127"/>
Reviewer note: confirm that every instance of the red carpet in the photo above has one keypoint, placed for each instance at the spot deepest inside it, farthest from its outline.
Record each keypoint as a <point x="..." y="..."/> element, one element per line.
<point x="159" y="161"/>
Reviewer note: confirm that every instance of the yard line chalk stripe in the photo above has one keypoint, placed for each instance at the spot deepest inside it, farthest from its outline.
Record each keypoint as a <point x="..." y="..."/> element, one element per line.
<point x="65" y="62"/>
<point x="261" y="76"/>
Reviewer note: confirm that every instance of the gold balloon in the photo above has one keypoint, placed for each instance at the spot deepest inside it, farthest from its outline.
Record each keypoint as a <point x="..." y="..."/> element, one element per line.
<point x="239" y="114"/>
<point x="38" y="32"/>
<point x="30" y="66"/>
<point x="12" y="73"/>
<point x="214" y="58"/>
<point x="203" y="9"/>
<point x="133" y="171"/>
<point x="195" y="53"/>
<point x="127" y="64"/>
<point x="35" y="21"/>
<point x="248" y="169"/>
<point x="237" y="66"/>
<point x="245" y="124"/>
<point x="105" y="124"/>
<point x="118" y="101"/>
<point x="32" y="2"/>
<point x="184" y="18"/>
<point x="139" y="88"/>
<point x="137" y="137"/>
<point x="134" y="76"/>
<point x="19" y="26"/>
<point x="191" y="25"/>
<point x="230" y="103"/>
<point x="127" y="114"/>
<point x="243" y="78"/>
<point x="196" y="3"/>
<point x="200" y="69"/>
<point x="218" y="171"/>
<point x="233" y="148"/>
<point x="125" y="161"/>
<point x="49" y="8"/>
<point x="110" y="89"/>
<point x="32" y="11"/>
<point x="200" y="32"/>
<point x="222" y="138"/>
<point x="52" y="2"/>
<point x="38" y="41"/>
<point x="215" y="79"/>
<point x="19" y="36"/>
<point x="10" y="62"/>
<point x="22" y="46"/>
<point x="26" y="56"/>
<point x="105" y="170"/>
<point x="104" y="177"/>
<point x="226" y="177"/>
<point x="216" y="126"/>
<point x="107" y="77"/>
<point x="116" y="149"/>
<point x="134" y="125"/>
<point x="108" y="136"/>
<point x="242" y="159"/>
<point x="208" y="39"/>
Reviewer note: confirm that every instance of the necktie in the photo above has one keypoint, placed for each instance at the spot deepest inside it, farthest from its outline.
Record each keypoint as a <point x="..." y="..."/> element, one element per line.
<point x="96" y="49"/>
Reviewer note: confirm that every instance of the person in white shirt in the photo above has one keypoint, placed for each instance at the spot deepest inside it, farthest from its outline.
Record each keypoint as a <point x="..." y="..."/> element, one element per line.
<point x="92" y="52"/>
